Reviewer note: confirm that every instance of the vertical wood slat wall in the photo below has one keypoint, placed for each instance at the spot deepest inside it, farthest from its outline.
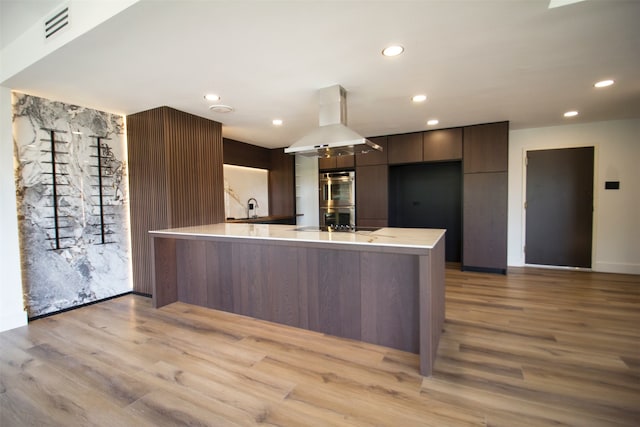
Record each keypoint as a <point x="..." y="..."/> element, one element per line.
<point x="175" y="179"/>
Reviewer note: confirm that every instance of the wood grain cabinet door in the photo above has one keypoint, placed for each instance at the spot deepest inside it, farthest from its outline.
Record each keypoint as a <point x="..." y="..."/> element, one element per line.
<point x="406" y="148"/>
<point x="374" y="157"/>
<point x="372" y="198"/>
<point x="486" y="147"/>
<point x="440" y="145"/>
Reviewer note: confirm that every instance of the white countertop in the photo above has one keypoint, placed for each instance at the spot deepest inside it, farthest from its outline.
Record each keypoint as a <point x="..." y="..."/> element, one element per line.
<point x="415" y="238"/>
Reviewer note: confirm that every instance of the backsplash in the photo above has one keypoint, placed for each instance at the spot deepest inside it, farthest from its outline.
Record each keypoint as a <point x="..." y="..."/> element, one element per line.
<point x="242" y="183"/>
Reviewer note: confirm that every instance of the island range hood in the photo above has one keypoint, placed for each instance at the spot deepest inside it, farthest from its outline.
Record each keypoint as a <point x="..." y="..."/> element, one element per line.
<point x="332" y="137"/>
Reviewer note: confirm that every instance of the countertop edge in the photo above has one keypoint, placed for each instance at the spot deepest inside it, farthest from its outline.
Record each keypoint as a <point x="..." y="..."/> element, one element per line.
<point x="344" y="245"/>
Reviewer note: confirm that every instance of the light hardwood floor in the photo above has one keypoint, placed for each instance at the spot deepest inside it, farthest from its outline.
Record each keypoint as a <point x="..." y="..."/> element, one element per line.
<point x="534" y="348"/>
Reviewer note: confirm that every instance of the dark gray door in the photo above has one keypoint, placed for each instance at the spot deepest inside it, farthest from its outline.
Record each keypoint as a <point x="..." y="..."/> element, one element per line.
<point x="559" y="207"/>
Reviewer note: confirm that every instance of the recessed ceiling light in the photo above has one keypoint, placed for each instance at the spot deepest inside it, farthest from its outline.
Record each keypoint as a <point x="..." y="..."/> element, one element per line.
<point x="604" y="83"/>
<point x="571" y="114"/>
<point x="277" y="122"/>
<point x="212" y="97"/>
<point x="394" y="50"/>
<point x="419" y="98"/>
<point x="220" y="108"/>
<point x="432" y="122"/>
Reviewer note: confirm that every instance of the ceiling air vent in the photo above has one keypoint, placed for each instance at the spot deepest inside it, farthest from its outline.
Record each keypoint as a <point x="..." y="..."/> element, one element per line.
<point x="56" y="22"/>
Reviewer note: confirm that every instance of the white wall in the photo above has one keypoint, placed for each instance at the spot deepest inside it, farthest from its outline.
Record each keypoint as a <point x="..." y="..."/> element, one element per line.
<point x="12" y="313"/>
<point x="30" y="46"/>
<point x="616" y="225"/>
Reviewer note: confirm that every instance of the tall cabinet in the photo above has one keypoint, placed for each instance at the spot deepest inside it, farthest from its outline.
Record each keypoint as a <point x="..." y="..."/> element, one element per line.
<point x="175" y="179"/>
<point x="372" y="186"/>
<point x="484" y="211"/>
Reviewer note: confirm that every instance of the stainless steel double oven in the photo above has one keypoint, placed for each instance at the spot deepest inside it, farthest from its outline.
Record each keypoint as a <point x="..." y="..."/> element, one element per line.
<point x="337" y="199"/>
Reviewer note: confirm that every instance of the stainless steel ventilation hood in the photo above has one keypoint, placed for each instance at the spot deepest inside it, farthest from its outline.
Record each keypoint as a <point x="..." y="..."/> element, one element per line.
<point x="332" y="137"/>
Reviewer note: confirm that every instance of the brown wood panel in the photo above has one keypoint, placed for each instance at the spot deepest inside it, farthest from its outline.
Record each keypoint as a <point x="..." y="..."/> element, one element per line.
<point x="345" y="162"/>
<point x="148" y="201"/>
<point x="405" y="148"/>
<point x="282" y="285"/>
<point x="336" y="162"/>
<point x="372" y="222"/>
<point x="333" y="284"/>
<point x="326" y="163"/>
<point x="194" y="156"/>
<point x="389" y="290"/>
<point x="444" y="144"/>
<point x="282" y="185"/>
<point x="243" y="154"/>
<point x="219" y="275"/>
<point x="191" y="261"/>
<point x="484" y="221"/>
<point x="486" y="147"/>
<point x="432" y="303"/>
<point x="374" y="157"/>
<point x="372" y="201"/>
<point x="175" y="178"/>
<point x="164" y="273"/>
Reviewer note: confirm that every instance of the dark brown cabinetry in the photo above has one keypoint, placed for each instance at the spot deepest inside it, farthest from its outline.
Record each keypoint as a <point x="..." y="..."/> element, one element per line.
<point x="374" y="157"/>
<point x="282" y="185"/>
<point x="406" y="148"/>
<point x="175" y="179"/>
<point x="336" y="163"/>
<point x="441" y="145"/>
<point x="484" y="215"/>
<point x="486" y="148"/>
<point x="372" y="196"/>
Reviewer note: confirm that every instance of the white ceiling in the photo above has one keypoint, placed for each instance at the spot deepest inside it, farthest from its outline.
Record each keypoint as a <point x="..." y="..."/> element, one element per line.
<point x="477" y="61"/>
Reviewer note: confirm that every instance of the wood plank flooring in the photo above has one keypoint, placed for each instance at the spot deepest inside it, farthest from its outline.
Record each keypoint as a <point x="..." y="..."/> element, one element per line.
<point x="533" y="348"/>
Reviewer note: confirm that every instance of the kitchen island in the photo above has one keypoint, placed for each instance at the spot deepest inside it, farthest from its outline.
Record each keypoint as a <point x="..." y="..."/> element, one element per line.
<point x="384" y="287"/>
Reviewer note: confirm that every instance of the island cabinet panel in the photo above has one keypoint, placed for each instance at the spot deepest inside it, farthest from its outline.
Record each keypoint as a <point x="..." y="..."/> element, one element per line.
<point x="442" y="145"/>
<point x="372" y="196"/>
<point x="217" y="257"/>
<point x="374" y="157"/>
<point x="333" y="282"/>
<point x="264" y="284"/>
<point x="391" y="296"/>
<point x="389" y="303"/>
<point x="405" y="148"/>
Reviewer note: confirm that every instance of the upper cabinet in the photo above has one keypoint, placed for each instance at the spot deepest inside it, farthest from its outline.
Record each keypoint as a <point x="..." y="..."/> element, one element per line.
<point x="337" y="162"/>
<point x="441" y="145"/>
<point x="374" y="157"/>
<point x="405" y="148"/>
<point x="486" y="147"/>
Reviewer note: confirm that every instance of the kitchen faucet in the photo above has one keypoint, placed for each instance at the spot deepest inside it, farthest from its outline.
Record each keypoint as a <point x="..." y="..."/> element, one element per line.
<point x="252" y="206"/>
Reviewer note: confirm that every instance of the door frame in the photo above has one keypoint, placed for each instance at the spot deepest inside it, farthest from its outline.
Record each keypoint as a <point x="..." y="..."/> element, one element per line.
<point x="523" y="211"/>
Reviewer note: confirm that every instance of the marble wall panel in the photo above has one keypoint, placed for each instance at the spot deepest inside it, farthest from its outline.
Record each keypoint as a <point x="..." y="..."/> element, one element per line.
<point x="74" y="246"/>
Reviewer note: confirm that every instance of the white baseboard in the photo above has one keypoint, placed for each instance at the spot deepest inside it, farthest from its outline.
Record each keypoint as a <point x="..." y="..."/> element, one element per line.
<point x="617" y="267"/>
